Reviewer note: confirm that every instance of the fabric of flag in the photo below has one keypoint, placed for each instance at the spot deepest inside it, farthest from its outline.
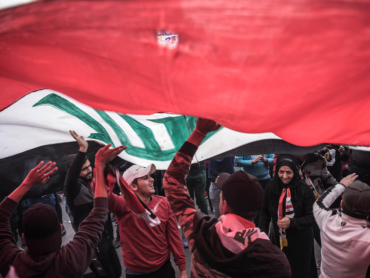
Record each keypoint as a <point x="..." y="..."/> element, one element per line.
<point x="297" y="69"/>
<point x="36" y="128"/>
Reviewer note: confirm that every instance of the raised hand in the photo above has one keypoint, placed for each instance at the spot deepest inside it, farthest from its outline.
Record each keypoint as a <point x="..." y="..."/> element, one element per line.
<point x="105" y="155"/>
<point x="349" y="179"/>
<point x="80" y="141"/>
<point x="204" y="126"/>
<point x="40" y="174"/>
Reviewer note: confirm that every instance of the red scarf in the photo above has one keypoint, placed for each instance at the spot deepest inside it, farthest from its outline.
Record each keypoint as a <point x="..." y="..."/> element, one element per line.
<point x="289" y="212"/>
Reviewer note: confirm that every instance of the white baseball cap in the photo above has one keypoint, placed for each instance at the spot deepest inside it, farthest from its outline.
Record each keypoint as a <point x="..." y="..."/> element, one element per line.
<point x="137" y="171"/>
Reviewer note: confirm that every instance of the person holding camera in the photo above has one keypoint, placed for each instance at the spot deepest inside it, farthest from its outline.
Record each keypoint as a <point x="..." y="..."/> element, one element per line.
<point x="334" y="155"/>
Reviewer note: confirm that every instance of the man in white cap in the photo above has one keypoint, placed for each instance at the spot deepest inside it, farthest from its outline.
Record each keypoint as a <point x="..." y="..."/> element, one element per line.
<point x="147" y="239"/>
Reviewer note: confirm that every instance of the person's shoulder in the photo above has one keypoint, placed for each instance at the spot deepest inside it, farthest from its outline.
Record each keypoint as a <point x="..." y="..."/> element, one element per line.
<point x="269" y="185"/>
<point x="271" y="256"/>
<point x="303" y="184"/>
<point x="314" y="157"/>
<point x="306" y="189"/>
<point x="160" y="199"/>
<point x="266" y="246"/>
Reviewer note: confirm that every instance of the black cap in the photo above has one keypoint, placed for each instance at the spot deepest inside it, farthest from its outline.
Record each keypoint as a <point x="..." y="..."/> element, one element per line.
<point x="42" y="229"/>
<point x="243" y="194"/>
<point x="356" y="200"/>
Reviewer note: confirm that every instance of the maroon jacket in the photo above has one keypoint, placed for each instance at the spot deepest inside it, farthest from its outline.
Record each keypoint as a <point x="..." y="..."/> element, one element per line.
<point x="210" y="256"/>
<point x="71" y="260"/>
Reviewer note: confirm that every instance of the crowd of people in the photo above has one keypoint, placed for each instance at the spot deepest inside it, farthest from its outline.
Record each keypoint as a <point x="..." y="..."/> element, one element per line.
<point x="266" y="216"/>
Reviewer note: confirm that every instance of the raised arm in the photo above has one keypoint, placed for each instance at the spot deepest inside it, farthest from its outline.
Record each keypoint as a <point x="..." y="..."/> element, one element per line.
<point x="326" y="176"/>
<point x="71" y="184"/>
<point x="90" y="230"/>
<point x="244" y="161"/>
<point x="8" y="248"/>
<point x="174" y="179"/>
<point x="175" y="243"/>
<point x="321" y="208"/>
<point x="38" y="175"/>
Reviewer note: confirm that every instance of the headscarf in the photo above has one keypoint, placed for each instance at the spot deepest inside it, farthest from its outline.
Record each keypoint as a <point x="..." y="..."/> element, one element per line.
<point x="292" y="163"/>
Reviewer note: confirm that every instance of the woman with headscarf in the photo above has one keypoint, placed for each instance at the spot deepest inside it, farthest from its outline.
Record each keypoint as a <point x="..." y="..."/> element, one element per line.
<point x="288" y="203"/>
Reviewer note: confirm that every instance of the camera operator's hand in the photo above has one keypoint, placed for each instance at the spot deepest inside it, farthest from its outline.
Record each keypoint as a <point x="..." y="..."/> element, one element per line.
<point x="349" y="179"/>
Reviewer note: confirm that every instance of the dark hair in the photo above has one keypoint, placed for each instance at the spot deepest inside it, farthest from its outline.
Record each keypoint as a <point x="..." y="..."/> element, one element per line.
<point x="134" y="181"/>
<point x="250" y="216"/>
<point x="71" y="158"/>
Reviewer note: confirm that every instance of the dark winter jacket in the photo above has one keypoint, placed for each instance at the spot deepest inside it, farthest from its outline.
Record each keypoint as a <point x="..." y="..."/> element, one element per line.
<point x="210" y="257"/>
<point x="302" y="201"/>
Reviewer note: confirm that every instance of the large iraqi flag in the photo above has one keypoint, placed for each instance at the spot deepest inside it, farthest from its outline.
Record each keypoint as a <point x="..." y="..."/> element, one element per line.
<point x="298" y="69"/>
<point x="35" y="128"/>
<point x="294" y="69"/>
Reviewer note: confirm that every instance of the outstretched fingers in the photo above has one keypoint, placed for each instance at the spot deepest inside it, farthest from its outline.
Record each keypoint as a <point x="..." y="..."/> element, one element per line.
<point x="38" y="167"/>
<point x="119" y="149"/>
<point x="106" y="147"/>
<point x="74" y="134"/>
<point x="52" y="171"/>
<point x="47" y="167"/>
<point x="105" y="155"/>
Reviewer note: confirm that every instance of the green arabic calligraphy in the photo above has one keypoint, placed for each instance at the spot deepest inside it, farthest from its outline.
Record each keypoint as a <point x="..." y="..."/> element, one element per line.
<point x="178" y="129"/>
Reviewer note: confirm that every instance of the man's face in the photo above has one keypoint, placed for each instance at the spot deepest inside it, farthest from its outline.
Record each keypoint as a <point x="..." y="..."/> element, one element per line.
<point x="145" y="186"/>
<point x="86" y="172"/>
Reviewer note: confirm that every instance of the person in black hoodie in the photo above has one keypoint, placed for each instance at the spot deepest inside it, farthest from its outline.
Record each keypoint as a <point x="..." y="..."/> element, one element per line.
<point x="230" y="246"/>
<point x="80" y="199"/>
<point x="288" y="202"/>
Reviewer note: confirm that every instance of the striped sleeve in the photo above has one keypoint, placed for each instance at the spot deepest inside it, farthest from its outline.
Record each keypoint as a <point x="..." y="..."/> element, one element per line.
<point x="321" y="208"/>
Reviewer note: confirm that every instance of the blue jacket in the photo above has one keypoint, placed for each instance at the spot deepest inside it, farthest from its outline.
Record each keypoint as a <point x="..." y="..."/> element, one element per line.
<point x="260" y="170"/>
<point x="222" y="165"/>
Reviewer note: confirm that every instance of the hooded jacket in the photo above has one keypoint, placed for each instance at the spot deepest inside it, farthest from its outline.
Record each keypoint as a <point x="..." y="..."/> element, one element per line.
<point x="71" y="260"/>
<point x="230" y="246"/>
